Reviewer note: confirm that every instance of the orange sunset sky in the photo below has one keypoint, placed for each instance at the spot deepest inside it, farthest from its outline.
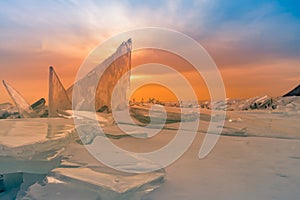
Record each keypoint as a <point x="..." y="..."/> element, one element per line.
<point x="256" y="45"/>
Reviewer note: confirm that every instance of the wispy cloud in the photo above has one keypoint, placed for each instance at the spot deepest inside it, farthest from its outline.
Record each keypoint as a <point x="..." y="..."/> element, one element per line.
<point x="71" y="26"/>
<point x="236" y="34"/>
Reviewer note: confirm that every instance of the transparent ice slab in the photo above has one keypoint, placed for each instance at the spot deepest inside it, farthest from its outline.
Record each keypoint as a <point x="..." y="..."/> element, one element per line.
<point x="24" y="108"/>
<point x="106" y="74"/>
<point x="39" y="138"/>
<point x="95" y="183"/>
<point x="173" y="114"/>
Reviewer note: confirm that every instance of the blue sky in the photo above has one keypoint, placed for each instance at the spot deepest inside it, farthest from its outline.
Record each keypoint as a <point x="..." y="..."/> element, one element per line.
<point x="250" y="35"/>
<point x="271" y="26"/>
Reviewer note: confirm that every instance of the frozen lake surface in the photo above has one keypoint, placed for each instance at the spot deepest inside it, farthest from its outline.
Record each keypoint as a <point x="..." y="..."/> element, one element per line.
<point x="257" y="157"/>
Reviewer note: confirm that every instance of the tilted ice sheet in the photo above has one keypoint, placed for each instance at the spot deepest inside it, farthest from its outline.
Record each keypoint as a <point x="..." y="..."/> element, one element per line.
<point x="101" y="80"/>
<point x="93" y="180"/>
<point x="173" y="114"/>
<point x="58" y="98"/>
<point x="95" y="183"/>
<point x="24" y="108"/>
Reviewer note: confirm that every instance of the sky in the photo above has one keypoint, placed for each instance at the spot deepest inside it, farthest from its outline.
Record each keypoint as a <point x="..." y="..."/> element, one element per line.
<point x="255" y="44"/>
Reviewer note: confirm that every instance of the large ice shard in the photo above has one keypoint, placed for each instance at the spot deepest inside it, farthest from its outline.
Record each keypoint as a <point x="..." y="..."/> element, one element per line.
<point x="106" y="76"/>
<point x="24" y="108"/>
<point x="58" y="98"/>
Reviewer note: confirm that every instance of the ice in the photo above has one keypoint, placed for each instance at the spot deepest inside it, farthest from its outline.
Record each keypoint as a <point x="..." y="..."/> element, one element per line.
<point x="282" y="122"/>
<point x="24" y="108"/>
<point x="59" y="191"/>
<point x="30" y="148"/>
<point x="117" y="133"/>
<point x="5" y="110"/>
<point x="101" y="183"/>
<point x="58" y="98"/>
<point x="27" y="157"/>
<point x="173" y="114"/>
<point x="262" y="162"/>
<point x="34" y="138"/>
<point x="288" y="104"/>
<point x="114" y="70"/>
<point x="244" y="104"/>
<point x="80" y="176"/>
<point x="44" y="158"/>
<point x="238" y="168"/>
<point x="255" y="103"/>
<point x="263" y="124"/>
<point x="39" y="106"/>
<point x="104" y="119"/>
<point x="262" y="103"/>
<point x="119" y="64"/>
<point x="219" y="105"/>
<point x="18" y="183"/>
<point x="5" y="106"/>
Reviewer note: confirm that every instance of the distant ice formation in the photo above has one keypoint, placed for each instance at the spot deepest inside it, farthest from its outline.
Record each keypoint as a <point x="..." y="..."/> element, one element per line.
<point x="6" y="110"/>
<point x="101" y="81"/>
<point x="255" y="103"/>
<point x="293" y="92"/>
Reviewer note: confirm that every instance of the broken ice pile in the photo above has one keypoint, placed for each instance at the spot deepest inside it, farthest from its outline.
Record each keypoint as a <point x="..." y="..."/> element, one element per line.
<point x="43" y="158"/>
<point x="99" y="81"/>
<point x="255" y="103"/>
<point x="29" y="150"/>
<point x="98" y="182"/>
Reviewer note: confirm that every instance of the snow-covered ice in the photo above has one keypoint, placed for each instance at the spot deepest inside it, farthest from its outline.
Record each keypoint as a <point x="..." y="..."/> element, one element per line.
<point x="43" y="158"/>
